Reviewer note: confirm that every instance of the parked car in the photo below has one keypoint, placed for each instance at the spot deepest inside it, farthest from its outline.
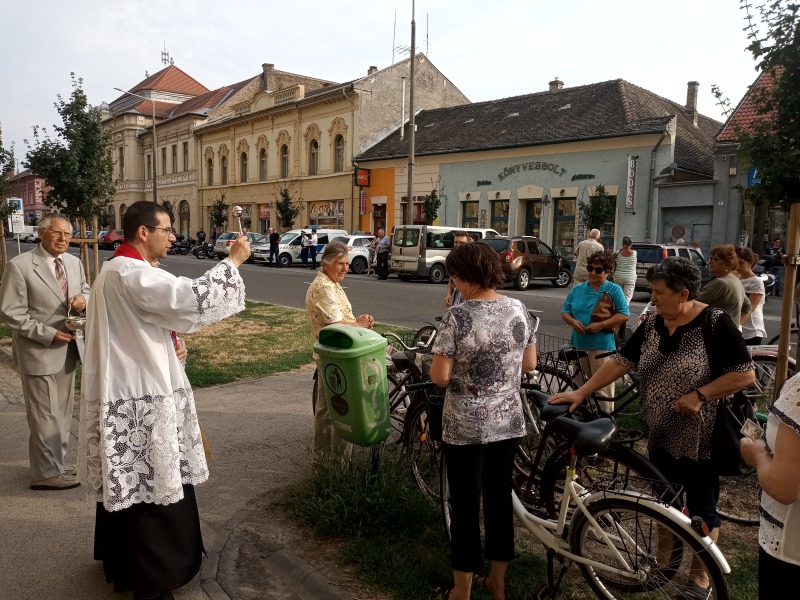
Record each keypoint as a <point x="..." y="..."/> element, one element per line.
<point x="224" y="242"/>
<point x="357" y="250"/>
<point x="77" y="234"/>
<point x="30" y="237"/>
<point x="527" y="258"/>
<point x="111" y="239"/>
<point x="648" y="255"/>
<point x="289" y="247"/>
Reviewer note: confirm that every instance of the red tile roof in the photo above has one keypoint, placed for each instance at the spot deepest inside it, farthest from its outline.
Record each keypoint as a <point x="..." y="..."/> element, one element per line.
<point x="203" y="103"/>
<point x="171" y="79"/>
<point x="746" y="113"/>
<point x="145" y="107"/>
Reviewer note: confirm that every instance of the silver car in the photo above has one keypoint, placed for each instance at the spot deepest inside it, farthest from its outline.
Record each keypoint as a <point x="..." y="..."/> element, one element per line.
<point x="224" y="242"/>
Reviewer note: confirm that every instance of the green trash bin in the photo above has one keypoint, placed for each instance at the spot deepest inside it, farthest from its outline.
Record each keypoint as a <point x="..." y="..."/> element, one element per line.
<point x="353" y="367"/>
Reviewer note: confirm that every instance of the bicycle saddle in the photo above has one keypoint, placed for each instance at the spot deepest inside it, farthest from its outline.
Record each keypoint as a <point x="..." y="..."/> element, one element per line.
<point x="547" y="412"/>
<point x="402" y="361"/>
<point x="587" y="438"/>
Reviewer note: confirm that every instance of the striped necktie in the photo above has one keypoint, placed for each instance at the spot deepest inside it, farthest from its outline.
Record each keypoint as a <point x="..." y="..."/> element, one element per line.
<point x="62" y="278"/>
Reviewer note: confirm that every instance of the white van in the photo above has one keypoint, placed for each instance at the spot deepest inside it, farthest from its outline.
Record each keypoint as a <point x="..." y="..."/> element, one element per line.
<point x="289" y="247"/>
<point x="420" y="250"/>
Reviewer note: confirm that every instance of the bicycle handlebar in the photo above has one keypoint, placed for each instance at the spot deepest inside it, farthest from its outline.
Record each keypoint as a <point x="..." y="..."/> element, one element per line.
<point x="413" y="387"/>
<point x="421" y="349"/>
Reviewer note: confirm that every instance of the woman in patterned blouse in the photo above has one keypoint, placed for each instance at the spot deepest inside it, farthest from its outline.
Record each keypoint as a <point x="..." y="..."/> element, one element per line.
<point x="483" y="347"/>
<point x="687" y="355"/>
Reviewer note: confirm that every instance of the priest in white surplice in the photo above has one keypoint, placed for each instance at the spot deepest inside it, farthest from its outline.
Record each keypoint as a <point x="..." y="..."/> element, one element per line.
<point x="141" y="449"/>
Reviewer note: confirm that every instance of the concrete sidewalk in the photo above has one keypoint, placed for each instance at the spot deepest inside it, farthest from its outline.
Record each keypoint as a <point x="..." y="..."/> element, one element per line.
<point x="259" y="433"/>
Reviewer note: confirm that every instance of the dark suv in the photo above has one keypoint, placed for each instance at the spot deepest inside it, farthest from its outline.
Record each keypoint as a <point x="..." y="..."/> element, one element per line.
<point x="526" y="258"/>
<point x="648" y="255"/>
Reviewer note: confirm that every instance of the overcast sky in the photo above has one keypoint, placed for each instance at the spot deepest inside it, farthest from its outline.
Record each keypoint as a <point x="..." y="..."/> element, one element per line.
<point x="489" y="49"/>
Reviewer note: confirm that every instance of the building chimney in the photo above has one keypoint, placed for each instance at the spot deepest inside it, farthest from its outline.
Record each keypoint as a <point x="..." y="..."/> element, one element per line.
<point x="556" y="85"/>
<point x="691" y="100"/>
<point x="267" y="76"/>
<point x="372" y="70"/>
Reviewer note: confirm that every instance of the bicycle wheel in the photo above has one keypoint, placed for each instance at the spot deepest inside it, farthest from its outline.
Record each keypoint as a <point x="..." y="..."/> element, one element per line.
<point x="425" y="453"/>
<point x="399" y="401"/>
<point x="444" y="496"/>
<point x="617" y="468"/>
<point x="425" y="335"/>
<point x="761" y="392"/>
<point x="661" y="556"/>
<point x="739" y="498"/>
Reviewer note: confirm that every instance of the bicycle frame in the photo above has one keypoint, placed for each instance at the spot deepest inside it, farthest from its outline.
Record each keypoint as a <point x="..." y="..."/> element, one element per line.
<point x="551" y="532"/>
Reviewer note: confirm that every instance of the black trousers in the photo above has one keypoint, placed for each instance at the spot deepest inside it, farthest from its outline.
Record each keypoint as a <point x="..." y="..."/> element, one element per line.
<point x="383" y="265"/>
<point x="473" y="471"/>
<point x="775" y="577"/>
<point x="312" y="250"/>
<point x="273" y="256"/>
<point x="150" y="548"/>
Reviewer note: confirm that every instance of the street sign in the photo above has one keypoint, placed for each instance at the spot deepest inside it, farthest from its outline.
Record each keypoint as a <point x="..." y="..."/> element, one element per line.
<point x="17" y="223"/>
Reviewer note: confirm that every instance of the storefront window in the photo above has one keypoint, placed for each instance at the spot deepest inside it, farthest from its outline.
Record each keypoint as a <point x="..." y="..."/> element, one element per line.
<point x="328" y="214"/>
<point x="533" y="218"/>
<point x="470" y="214"/>
<point x="564" y="226"/>
<point x="500" y="216"/>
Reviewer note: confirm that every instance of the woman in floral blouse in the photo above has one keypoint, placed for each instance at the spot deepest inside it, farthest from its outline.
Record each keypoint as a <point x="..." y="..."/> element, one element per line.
<point x="483" y="347"/>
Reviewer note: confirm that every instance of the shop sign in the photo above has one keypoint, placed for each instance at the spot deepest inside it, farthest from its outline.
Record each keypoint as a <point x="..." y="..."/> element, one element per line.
<point x="362" y="197"/>
<point x="361" y="177"/>
<point x="531" y="166"/>
<point x="630" y="191"/>
<point x="263" y="211"/>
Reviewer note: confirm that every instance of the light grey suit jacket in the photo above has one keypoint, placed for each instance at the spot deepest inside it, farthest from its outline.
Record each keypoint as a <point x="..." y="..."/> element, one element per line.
<point x="33" y="306"/>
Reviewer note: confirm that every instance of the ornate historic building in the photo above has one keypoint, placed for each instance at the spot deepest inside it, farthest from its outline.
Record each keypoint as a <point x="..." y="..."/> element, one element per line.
<point x="301" y="135"/>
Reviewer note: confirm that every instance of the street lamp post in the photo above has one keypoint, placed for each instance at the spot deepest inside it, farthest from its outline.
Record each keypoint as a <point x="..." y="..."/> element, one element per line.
<point x="155" y="141"/>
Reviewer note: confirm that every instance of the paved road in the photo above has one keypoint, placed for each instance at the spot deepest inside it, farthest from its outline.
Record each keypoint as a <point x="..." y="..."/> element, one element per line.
<point x="405" y="303"/>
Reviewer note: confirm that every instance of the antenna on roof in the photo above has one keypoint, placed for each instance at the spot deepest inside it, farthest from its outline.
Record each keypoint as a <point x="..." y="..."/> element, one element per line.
<point x="427" y="39"/>
<point x="394" y="36"/>
<point x="165" y="57"/>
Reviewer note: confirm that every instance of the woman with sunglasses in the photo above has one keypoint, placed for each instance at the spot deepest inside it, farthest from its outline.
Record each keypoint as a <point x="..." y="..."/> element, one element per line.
<point x="595" y="337"/>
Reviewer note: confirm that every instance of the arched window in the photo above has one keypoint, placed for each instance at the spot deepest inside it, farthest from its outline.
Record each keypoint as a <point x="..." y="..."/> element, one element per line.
<point x="313" y="157"/>
<point x="112" y="217"/>
<point x="183" y="218"/>
<point x="243" y="174"/>
<point x="284" y="161"/>
<point x="210" y="171"/>
<point x="262" y="165"/>
<point x="223" y="165"/>
<point x="122" y="210"/>
<point x="338" y="157"/>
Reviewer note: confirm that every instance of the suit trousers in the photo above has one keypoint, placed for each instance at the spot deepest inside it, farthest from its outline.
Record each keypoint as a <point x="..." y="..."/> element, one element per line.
<point x="48" y="407"/>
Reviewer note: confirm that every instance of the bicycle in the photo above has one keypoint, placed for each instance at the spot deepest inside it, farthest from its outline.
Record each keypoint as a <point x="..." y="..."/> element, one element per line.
<point x="626" y="543"/>
<point x="408" y="408"/>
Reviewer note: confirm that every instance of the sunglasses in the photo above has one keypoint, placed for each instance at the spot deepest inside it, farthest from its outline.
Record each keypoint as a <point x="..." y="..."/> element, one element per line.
<point x="597" y="270"/>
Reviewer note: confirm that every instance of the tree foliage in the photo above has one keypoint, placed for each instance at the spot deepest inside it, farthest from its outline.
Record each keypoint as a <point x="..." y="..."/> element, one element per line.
<point x="76" y="164"/>
<point x="167" y="205"/>
<point x="219" y="212"/>
<point x="430" y="206"/>
<point x="287" y="207"/>
<point x="772" y="143"/>
<point x="600" y="209"/>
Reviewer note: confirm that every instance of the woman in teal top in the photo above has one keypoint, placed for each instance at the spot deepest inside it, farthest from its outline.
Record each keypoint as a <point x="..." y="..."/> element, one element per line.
<point x="590" y="336"/>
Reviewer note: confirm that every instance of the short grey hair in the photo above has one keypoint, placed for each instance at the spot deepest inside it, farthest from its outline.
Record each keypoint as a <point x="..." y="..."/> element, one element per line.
<point x="333" y="252"/>
<point x="594" y="234"/>
<point x="627" y="241"/>
<point x="46" y="221"/>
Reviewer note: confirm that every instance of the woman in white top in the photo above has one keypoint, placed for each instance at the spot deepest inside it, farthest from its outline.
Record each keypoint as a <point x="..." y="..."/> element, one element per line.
<point x="776" y="460"/>
<point x="624" y="273"/>
<point x="753" y="330"/>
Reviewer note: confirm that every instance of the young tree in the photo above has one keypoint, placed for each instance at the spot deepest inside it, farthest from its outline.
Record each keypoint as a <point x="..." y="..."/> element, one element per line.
<point x="600" y="209"/>
<point x="76" y="165"/>
<point x="287" y="207"/>
<point x="6" y="167"/>
<point x="430" y="206"/>
<point x="218" y="213"/>
<point x="170" y="209"/>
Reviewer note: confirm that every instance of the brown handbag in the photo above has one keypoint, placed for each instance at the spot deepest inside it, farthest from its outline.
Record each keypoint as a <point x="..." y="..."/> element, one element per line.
<point x="604" y="310"/>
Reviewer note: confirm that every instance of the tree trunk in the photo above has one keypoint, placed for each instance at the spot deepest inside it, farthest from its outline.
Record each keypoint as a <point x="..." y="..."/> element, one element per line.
<point x="3" y="239"/>
<point x="789" y="282"/>
<point x="96" y="252"/>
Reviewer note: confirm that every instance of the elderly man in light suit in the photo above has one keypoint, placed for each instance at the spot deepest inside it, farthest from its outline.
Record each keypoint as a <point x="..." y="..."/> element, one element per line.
<point x="37" y="289"/>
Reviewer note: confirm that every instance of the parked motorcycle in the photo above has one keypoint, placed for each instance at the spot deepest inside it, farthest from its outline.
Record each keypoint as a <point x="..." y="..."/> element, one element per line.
<point x="204" y="250"/>
<point x="760" y="269"/>
<point x="180" y="246"/>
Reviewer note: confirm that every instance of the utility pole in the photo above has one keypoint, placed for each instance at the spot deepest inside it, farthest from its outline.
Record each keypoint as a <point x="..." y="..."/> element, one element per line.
<point x="411" y="124"/>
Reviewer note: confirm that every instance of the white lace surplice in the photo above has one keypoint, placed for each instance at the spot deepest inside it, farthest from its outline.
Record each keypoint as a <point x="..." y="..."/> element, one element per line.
<point x="139" y="436"/>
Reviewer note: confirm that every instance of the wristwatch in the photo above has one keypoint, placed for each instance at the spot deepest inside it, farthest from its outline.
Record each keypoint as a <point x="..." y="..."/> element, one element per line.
<point x="701" y="395"/>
